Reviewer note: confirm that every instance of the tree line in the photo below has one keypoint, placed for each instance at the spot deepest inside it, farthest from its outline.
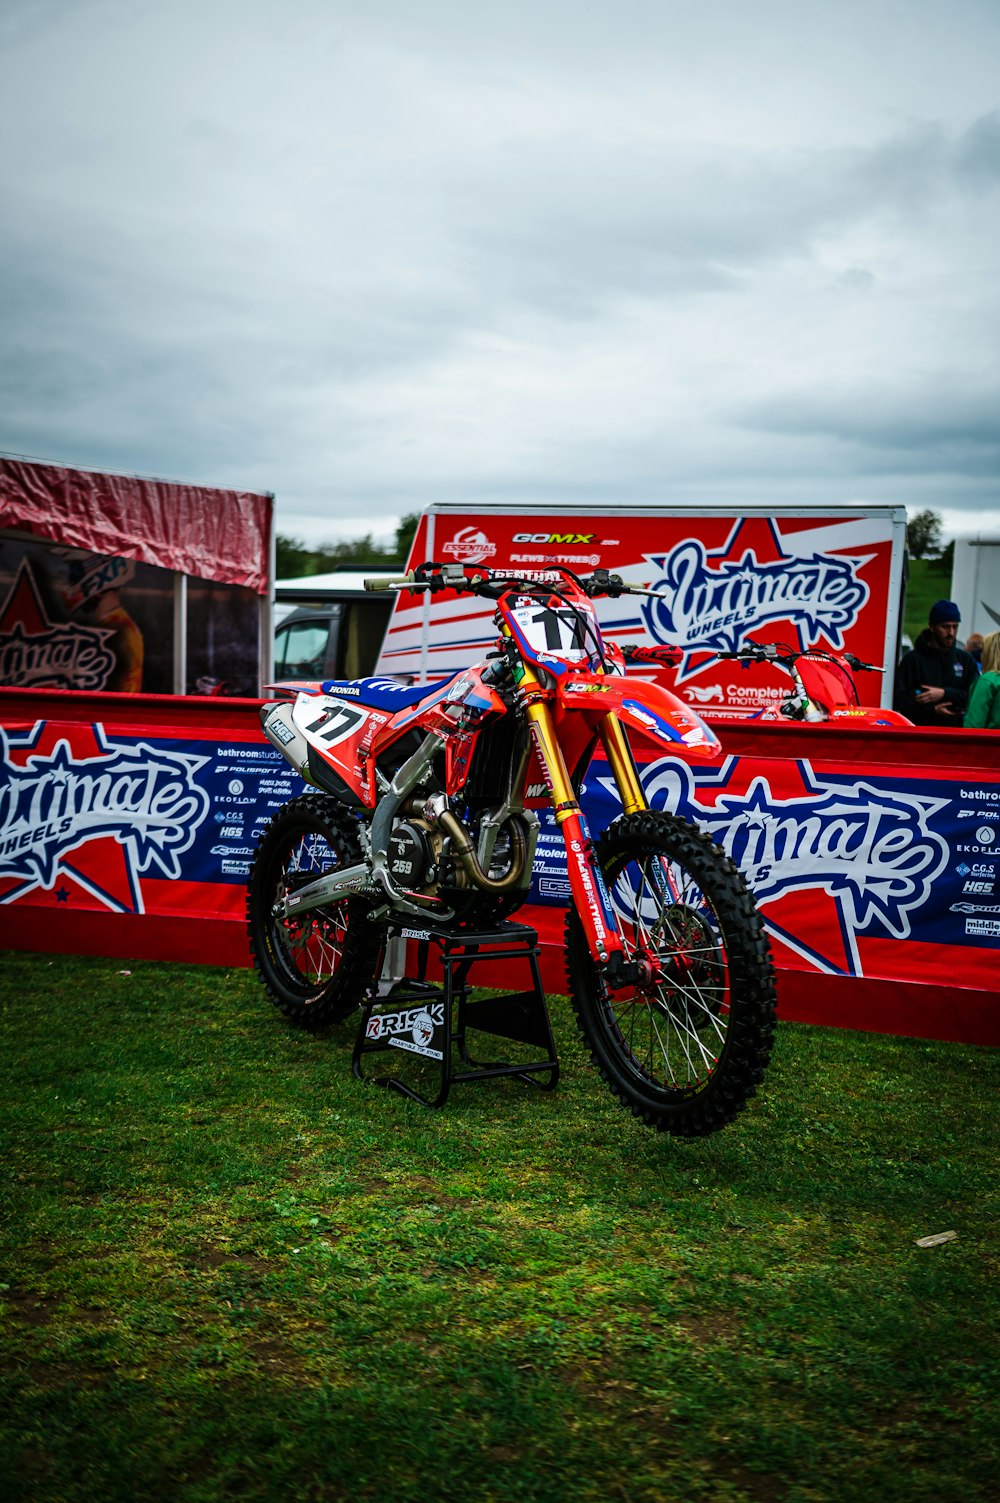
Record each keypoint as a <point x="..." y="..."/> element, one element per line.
<point x="294" y="559"/>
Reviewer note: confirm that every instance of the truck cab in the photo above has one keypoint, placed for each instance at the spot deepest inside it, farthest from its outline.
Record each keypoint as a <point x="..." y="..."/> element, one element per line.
<point x="329" y="626"/>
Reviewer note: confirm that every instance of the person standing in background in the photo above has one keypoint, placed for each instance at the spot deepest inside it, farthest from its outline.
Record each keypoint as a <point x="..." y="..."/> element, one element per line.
<point x="974" y="647"/>
<point x="93" y="596"/>
<point x="934" y="678"/>
<point x="984" y="701"/>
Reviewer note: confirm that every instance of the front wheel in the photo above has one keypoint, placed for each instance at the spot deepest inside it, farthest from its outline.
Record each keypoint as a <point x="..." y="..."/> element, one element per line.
<point x="314" y="966"/>
<point x="686" y="1044"/>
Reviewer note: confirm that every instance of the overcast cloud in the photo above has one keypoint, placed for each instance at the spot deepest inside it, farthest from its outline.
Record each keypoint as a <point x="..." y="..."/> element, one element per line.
<point x="367" y="255"/>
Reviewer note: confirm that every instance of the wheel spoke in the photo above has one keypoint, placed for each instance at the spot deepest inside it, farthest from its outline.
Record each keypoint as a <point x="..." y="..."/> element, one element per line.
<point x="700" y="962"/>
<point x="666" y="917"/>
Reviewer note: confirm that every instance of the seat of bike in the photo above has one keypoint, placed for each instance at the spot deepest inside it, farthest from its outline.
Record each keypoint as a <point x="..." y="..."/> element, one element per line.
<point x="382" y="693"/>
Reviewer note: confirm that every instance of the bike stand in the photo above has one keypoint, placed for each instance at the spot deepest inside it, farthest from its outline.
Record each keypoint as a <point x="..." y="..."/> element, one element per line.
<point x="431" y="1021"/>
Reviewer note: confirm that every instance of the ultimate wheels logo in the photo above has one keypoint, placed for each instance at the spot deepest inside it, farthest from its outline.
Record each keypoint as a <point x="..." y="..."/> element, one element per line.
<point x="716" y="599"/>
<point x="89" y="826"/>
<point x="36" y="652"/>
<point x="866" y="855"/>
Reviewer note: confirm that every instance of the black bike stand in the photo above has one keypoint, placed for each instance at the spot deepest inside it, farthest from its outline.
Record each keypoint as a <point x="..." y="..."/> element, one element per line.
<point x="431" y="1021"/>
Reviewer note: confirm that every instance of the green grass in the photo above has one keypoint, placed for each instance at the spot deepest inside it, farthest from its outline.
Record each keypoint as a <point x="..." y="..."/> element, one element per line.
<point x="232" y="1271"/>
<point x="929" y="581"/>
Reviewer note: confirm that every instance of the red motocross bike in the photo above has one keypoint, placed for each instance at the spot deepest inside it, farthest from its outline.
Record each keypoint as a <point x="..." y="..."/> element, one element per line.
<point x="426" y="804"/>
<point x="822" y="688"/>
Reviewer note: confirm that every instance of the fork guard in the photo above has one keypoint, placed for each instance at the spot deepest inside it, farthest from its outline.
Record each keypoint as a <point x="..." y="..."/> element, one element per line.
<point x="645" y="708"/>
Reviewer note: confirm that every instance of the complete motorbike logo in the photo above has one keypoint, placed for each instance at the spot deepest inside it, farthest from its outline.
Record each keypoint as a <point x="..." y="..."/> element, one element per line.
<point x="64" y="816"/>
<point x="871" y="850"/>
<point x="715" y="600"/>
<point x="36" y="652"/>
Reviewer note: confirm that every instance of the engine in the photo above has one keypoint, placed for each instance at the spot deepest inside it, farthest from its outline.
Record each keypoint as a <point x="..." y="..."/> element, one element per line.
<point x="415" y="854"/>
<point x="431" y="848"/>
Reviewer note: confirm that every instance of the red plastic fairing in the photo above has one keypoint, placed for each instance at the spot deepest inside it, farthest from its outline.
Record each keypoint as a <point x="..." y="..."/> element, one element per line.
<point x="645" y="708"/>
<point x="198" y="530"/>
<point x="828" y="682"/>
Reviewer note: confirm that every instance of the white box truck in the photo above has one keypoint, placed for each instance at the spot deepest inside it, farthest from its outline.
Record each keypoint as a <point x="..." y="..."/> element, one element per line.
<point x="975" y="584"/>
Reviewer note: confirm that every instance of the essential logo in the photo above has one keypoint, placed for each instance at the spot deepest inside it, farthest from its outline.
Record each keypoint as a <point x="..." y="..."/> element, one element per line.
<point x="470" y="546"/>
<point x="870" y="849"/>
<point x="716" y="599"/>
<point x="142" y="797"/>
<point x="38" y="653"/>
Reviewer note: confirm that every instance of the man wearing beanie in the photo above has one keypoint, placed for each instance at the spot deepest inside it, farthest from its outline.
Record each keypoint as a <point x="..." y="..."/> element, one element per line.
<point x="934" y="679"/>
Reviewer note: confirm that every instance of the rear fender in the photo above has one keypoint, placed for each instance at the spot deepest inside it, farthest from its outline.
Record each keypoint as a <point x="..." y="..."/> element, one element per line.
<point x="643" y="708"/>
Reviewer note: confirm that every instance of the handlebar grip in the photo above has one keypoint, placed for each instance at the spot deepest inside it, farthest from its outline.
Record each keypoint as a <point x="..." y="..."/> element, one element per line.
<point x="388" y="584"/>
<point x="633" y="653"/>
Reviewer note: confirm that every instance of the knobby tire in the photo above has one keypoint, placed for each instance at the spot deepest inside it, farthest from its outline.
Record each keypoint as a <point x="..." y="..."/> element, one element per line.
<point x="316" y="967"/>
<point x="687" y="1053"/>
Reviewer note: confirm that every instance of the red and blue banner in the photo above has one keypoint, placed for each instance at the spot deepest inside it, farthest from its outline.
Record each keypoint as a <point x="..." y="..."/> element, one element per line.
<point x="127" y="825"/>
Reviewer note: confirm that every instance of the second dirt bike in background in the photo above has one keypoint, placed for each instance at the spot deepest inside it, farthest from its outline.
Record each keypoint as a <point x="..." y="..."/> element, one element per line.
<point x="822" y="687"/>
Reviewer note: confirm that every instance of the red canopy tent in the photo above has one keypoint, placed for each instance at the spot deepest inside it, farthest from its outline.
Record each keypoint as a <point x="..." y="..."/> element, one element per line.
<point x="201" y="532"/>
<point x="192" y="529"/>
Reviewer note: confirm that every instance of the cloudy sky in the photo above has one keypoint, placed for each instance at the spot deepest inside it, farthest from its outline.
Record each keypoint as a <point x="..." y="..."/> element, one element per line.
<point x="369" y="253"/>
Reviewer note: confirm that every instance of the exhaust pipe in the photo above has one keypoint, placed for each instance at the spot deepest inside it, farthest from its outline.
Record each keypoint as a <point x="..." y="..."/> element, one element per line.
<point x="284" y="735"/>
<point x="351" y="882"/>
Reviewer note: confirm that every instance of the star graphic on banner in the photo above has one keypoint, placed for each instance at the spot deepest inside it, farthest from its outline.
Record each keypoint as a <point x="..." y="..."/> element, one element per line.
<point x="23" y="606"/>
<point x="93" y="874"/>
<point x="810" y="846"/>
<point x="725" y="597"/>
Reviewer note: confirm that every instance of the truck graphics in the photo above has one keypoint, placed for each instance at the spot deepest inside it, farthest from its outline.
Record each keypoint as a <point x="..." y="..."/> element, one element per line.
<point x="825" y="578"/>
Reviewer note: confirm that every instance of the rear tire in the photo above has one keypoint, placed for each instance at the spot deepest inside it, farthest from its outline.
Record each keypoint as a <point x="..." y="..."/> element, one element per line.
<point x="315" y="967"/>
<point x="686" y="1050"/>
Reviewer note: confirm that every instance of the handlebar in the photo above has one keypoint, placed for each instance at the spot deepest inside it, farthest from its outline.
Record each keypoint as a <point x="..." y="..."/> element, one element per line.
<point x="472" y="580"/>
<point x="394" y="582"/>
<point x="777" y="652"/>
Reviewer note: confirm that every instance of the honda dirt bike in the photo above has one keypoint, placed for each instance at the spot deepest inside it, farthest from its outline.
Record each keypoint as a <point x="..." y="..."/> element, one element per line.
<point x="426" y="807"/>
<point x="823" y="686"/>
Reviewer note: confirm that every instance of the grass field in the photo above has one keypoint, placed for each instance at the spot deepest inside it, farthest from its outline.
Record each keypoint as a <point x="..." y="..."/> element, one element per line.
<point x="232" y="1271"/>
<point x="928" y="581"/>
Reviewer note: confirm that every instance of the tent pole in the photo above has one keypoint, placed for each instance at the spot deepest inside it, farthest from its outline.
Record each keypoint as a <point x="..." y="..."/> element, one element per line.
<point x="265" y="659"/>
<point x="180" y="633"/>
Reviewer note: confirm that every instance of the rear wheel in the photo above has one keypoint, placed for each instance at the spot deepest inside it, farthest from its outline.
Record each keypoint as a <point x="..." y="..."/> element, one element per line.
<point x="315" y="967"/>
<point x="686" y="1044"/>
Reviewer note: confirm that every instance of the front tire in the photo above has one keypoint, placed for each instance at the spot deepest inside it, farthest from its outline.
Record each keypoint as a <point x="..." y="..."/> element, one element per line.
<point x="687" y="1048"/>
<point x="316" y="966"/>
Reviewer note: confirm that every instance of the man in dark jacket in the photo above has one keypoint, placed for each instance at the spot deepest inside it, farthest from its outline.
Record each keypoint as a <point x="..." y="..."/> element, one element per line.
<point x="933" y="679"/>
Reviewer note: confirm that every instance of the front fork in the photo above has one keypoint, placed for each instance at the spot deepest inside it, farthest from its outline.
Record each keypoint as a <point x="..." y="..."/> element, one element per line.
<point x="586" y="880"/>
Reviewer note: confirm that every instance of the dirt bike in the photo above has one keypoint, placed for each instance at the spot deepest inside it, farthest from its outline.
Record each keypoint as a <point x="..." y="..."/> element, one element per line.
<point x="823" y="686"/>
<point x="426" y="805"/>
